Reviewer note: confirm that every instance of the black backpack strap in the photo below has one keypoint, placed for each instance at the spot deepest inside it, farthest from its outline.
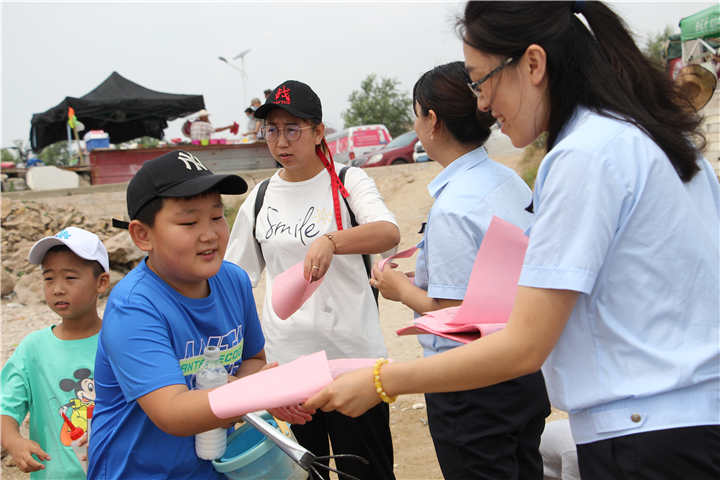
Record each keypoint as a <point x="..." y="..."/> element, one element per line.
<point x="353" y="223"/>
<point x="259" y="201"/>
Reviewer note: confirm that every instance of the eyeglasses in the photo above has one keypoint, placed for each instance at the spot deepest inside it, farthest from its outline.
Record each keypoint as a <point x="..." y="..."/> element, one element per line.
<point x="475" y="86"/>
<point x="292" y="132"/>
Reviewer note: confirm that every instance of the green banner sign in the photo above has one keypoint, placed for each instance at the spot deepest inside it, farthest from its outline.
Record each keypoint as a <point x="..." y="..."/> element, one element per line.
<point x="703" y="24"/>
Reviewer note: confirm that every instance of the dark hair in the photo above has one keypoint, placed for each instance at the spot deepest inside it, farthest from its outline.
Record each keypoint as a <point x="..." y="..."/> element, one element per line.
<point x="444" y="90"/>
<point x="603" y="70"/>
<point x="249" y="110"/>
<point x="97" y="268"/>
<point x="150" y="210"/>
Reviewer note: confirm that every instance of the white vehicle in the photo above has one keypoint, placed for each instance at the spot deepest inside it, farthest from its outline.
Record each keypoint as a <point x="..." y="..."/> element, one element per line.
<point x="419" y="154"/>
<point x="357" y="142"/>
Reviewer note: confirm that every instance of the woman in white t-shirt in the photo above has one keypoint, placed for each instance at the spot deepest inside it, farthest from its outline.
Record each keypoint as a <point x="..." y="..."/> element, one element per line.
<point x="303" y="217"/>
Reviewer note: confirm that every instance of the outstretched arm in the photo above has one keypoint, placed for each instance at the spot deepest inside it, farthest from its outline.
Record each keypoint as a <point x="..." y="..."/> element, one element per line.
<point x="537" y="320"/>
<point x="191" y="414"/>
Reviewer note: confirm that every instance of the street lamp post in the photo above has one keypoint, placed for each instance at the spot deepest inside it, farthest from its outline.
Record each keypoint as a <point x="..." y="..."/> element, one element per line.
<point x="240" y="69"/>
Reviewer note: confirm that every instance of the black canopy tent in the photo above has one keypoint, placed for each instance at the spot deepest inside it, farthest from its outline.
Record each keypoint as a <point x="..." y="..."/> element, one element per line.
<point x="124" y="109"/>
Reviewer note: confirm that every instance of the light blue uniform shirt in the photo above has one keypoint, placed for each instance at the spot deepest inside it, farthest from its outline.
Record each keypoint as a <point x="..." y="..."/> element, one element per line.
<point x="467" y="193"/>
<point x="641" y="349"/>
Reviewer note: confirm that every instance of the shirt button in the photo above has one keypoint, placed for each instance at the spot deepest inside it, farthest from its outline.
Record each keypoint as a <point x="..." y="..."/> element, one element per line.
<point x="635" y="417"/>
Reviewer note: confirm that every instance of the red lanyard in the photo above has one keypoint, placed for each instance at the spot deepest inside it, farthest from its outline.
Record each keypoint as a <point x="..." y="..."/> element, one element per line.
<point x="336" y="184"/>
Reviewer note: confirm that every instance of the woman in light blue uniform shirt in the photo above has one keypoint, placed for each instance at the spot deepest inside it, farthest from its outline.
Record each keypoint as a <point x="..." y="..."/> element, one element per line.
<point x="618" y="298"/>
<point x="490" y="433"/>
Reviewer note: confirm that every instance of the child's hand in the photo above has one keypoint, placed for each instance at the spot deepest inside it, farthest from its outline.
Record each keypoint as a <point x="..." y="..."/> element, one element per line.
<point x="295" y="414"/>
<point x="22" y="453"/>
<point x="82" y="441"/>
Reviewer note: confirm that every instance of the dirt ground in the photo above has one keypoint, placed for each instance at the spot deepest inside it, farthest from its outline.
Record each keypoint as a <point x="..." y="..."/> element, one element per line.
<point x="405" y="192"/>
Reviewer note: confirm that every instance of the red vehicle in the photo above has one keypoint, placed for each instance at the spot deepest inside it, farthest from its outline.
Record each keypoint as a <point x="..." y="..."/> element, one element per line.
<point x="399" y="150"/>
<point x="357" y="142"/>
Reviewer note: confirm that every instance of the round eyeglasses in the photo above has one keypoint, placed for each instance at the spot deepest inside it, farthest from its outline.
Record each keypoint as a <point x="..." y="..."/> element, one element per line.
<point x="291" y="132"/>
<point x="475" y="86"/>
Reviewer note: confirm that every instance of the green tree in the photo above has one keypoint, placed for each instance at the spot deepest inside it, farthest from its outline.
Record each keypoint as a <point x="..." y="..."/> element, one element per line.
<point x="656" y="45"/>
<point x="7" y="155"/>
<point x="379" y="101"/>
<point x="55" y="154"/>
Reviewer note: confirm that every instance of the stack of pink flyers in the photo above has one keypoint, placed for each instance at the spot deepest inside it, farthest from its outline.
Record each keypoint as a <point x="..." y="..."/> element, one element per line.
<point x="490" y="293"/>
<point x="288" y="384"/>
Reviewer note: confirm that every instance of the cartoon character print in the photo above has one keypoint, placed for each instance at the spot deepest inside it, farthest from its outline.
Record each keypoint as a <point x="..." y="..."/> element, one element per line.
<point x="76" y="408"/>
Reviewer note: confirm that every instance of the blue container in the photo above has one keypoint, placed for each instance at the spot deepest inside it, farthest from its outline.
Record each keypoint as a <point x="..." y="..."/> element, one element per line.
<point x="252" y="456"/>
<point x="97" y="143"/>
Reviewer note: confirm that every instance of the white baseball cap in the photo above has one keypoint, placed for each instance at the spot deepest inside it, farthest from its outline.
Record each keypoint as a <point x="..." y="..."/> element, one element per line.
<point x="84" y="244"/>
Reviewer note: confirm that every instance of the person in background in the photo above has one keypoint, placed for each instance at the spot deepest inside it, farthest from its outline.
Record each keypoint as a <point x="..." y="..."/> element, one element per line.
<point x="558" y="451"/>
<point x="202" y="129"/>
<point x="253" y="124"/>
<point x="255" y="104"/>
<point x="493" y="432"/>
<point x="51" y="371"/>
<point x="618" y="296"/>
<point x="304" y="218"/>
<point x="267" y="93"/>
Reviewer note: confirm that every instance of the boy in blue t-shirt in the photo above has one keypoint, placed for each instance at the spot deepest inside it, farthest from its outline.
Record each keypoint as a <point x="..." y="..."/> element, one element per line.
<point x="181" y="298"/>
<point x="51" y="371"/>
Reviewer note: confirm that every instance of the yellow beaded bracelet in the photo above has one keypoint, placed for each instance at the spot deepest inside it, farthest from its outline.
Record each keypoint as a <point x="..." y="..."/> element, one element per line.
<point x="378" y="384"/>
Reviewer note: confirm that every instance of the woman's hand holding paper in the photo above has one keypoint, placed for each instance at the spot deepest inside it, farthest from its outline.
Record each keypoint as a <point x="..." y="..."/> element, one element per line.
<point x="318" y="258"/>
<point x="351" y="394"/>
<point x="390" y="282"/>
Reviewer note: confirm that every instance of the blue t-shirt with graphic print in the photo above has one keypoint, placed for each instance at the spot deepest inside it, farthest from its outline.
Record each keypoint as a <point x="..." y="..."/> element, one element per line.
<point x="153" y="337"/>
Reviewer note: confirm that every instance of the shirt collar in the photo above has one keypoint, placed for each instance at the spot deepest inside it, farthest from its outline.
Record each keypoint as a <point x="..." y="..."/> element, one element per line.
<point x="456" y="168"/>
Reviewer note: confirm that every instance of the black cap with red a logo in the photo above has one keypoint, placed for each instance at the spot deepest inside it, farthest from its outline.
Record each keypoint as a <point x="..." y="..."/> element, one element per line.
<point x="294" y="97"/>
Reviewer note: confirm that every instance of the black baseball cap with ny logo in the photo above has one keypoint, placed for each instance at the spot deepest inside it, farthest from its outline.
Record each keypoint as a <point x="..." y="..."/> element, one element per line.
<point x="176" y="174"/>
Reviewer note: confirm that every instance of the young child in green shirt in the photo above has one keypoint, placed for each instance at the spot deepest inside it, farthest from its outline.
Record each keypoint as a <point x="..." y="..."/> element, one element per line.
<point x="51" y="371"/>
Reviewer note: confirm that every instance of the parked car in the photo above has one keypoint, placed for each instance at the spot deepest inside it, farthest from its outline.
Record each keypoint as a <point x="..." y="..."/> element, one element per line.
<point x="357" y="142"/>
<point x="419" y="153"/>
<point x="400" y="150"/>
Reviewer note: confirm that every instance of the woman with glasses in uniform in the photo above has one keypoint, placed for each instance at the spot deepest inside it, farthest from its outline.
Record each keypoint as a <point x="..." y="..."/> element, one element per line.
<point x="304" y="218"/>
<point x="618" y="298"/>
<point x="489" y="433"/>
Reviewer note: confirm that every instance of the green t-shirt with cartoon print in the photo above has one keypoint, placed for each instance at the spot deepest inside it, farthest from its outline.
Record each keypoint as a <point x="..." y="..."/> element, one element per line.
<point x="44" y="376"/>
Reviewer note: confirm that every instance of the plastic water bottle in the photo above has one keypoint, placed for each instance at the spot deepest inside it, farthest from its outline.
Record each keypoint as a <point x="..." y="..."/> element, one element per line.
<point x="211" y="445"/>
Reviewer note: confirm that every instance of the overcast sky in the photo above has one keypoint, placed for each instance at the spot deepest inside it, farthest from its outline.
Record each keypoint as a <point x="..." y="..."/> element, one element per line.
<point x="51" y="50"/>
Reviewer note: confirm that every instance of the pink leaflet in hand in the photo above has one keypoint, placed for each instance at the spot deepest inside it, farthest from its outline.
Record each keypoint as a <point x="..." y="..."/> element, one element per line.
<point x="491" y="290"/>
<point x="404" y="254"/>
<point x="290" y="290"/>
<point x="289" y="384"/>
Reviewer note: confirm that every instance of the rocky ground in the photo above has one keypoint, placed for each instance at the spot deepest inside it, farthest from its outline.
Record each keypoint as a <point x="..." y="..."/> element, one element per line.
<point x="23" y="310"/>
